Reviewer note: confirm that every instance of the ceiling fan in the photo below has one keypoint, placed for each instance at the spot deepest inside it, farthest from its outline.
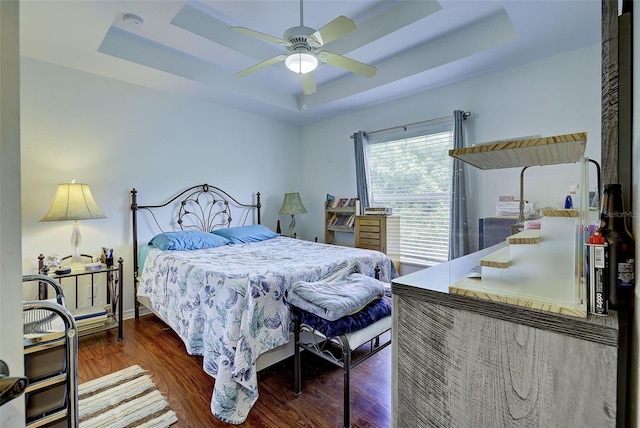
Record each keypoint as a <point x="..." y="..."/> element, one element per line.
<point x="303" y="44"/>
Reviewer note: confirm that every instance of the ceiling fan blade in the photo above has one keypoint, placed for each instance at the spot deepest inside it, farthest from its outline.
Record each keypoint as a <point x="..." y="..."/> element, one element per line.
<point x="261" y="65"/>
<point x="260" y="35"/>
<point x="308" y="83"/>
<point x="348" y="64"/>
<point x="334" y="29"/>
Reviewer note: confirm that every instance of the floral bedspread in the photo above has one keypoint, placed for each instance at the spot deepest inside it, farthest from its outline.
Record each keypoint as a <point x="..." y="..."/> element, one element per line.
<point x="228" y="304"/>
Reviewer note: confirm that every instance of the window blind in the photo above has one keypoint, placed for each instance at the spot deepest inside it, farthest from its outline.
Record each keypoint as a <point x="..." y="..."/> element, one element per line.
<point x="412" y="175"/>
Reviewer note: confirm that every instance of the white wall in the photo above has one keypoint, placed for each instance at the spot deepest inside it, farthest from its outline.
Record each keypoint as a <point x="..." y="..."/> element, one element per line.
<point x="11" y="352"/>
<point x="557" y="95"/>
<point x="115" y="136"/>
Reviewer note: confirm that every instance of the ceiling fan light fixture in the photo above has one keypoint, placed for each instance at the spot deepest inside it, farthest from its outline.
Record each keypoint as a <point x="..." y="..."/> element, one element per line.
<point x="301" y="62"/>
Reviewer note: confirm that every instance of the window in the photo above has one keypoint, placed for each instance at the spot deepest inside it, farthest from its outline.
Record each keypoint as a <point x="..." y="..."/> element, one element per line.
<point x="411" y="173"/>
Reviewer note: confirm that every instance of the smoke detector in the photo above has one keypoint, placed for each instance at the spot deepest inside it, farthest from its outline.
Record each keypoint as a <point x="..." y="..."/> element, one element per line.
<point x="132" y="19"/>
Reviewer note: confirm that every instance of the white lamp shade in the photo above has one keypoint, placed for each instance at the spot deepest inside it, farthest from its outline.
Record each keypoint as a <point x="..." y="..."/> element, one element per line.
<point x="73" y="201"/>
<point x="301" y="62"/>
<point x="292" y="204"/>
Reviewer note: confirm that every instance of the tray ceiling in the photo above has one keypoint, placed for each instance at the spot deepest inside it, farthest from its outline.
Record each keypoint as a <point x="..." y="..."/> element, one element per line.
<point x="186" y="47"/>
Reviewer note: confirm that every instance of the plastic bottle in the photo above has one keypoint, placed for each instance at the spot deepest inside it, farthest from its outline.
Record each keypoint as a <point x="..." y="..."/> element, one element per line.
<point x="568" y="202"/>
<point x="571" y="201"/>
<point x="613" y="227"/>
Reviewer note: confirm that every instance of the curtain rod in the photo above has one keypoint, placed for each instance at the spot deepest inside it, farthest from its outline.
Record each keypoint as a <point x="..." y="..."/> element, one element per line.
<point x="464" y="115"/>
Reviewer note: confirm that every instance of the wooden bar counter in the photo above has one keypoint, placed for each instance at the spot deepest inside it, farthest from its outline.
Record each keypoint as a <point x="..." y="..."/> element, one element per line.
<point x="460" y="361"/>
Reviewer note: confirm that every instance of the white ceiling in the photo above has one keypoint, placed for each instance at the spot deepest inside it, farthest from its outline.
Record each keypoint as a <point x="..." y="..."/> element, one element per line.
<point x="186" y="47"/>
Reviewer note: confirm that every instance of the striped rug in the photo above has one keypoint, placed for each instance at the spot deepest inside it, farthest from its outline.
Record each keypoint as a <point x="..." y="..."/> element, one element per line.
<point x="126" y="398"/>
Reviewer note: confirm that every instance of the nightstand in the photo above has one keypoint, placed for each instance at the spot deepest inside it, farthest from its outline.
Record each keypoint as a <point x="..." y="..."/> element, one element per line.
<point x="90" y="319"/>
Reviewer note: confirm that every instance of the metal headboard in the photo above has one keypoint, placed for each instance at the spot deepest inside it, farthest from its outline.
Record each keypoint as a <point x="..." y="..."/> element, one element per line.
<point x="202" y="207"/>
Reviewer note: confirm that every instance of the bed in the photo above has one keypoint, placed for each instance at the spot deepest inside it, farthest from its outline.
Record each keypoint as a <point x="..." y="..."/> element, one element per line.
<point x="227" y="301"/>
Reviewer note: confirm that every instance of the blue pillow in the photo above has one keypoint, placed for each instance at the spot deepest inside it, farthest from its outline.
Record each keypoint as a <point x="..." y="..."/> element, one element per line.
<point x="187" y="240"/>
<point x="241" y="234"/>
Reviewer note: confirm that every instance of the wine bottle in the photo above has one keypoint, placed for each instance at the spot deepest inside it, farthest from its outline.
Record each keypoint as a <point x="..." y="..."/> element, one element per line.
<point x="613" y="227"/>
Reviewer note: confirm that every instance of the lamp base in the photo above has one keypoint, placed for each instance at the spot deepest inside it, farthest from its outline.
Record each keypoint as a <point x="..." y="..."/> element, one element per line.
<point x="76" y="239"/>
<point x="291" y="226"/>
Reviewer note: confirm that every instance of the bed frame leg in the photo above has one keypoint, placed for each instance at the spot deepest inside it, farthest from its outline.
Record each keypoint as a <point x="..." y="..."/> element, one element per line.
<point x="347" y="382"/>
<point x="297" y="369"/>
<point x="136" y="304"/>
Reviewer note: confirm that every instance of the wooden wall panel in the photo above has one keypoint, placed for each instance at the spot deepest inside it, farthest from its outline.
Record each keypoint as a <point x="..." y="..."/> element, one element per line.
<point x="460" y="369"/>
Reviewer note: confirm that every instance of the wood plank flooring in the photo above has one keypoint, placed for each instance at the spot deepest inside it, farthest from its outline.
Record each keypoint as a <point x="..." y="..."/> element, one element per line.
<point x="149" y="343"/>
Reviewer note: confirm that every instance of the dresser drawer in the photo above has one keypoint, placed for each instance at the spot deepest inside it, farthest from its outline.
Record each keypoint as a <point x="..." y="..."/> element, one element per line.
<point x="369" y="221"/>
<point x="369" y="242"/>
<point x="370" y="235"/>
<point x="368" y="228"/>
<point x="369" y="247"/>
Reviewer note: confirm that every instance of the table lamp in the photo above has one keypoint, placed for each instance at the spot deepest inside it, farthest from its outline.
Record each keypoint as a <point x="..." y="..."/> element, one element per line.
<point x="292" y="205"/>
<point x="73" y="201"/>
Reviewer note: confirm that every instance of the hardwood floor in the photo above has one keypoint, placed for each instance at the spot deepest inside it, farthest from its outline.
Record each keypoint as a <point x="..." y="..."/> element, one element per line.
<point x="149" y="343"/>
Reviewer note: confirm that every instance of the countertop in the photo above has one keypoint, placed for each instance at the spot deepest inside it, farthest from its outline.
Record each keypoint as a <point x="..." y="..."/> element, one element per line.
<point x="432" y="285"/>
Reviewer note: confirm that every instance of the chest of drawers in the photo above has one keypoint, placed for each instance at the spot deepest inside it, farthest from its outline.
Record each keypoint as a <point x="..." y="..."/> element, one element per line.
<point x="380" y="233"/>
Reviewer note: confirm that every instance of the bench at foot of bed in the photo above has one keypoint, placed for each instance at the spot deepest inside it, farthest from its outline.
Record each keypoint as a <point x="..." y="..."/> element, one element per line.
<point x="335" y="341"/>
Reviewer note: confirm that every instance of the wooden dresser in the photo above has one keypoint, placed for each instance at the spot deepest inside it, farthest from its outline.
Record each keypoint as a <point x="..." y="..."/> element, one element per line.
<point x="459" y="361"/>
<point x="380" y="233"/>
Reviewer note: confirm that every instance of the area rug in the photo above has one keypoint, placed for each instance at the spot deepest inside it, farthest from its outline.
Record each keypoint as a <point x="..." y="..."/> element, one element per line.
<point x="126" y="398"/>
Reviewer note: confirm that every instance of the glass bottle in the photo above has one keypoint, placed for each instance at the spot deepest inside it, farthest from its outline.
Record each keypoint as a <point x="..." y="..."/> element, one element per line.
<point x="621" y="248"/>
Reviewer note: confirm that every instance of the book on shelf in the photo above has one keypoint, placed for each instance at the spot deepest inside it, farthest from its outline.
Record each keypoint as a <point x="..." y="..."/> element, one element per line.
<point x="342" y="220"/>
<point x="88" y="323"/>
<point x="90" y="317"/>
<point x="341" y="203"/>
